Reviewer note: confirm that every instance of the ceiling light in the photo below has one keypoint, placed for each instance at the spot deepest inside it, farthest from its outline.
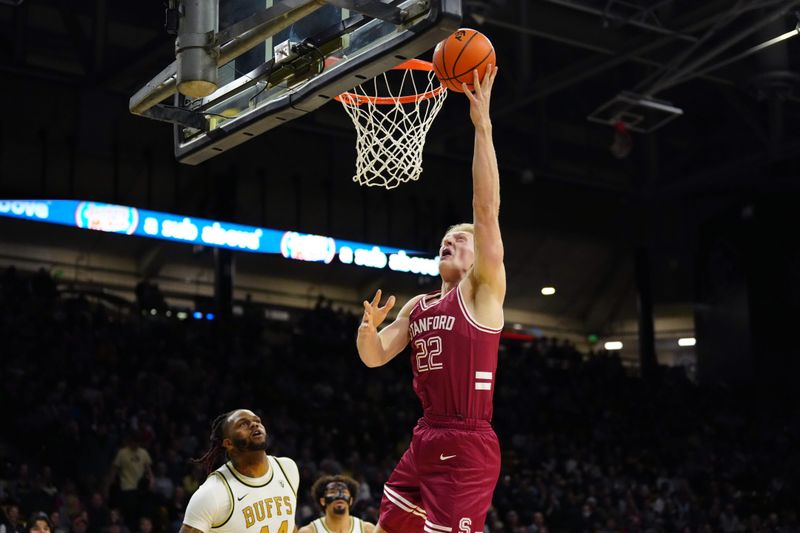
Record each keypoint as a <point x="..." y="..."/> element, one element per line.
<point x="687" y="341"/>
<point x="548" y="291"/>
<point x="613" y="345"/>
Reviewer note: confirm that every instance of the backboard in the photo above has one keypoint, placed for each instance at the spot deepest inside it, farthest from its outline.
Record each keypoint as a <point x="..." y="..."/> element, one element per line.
<point x="280" y="59"/>
<point x="639" y="113"/>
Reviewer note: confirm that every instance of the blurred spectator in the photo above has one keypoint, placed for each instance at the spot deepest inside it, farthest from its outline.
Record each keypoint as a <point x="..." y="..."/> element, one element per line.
<point x="10" y="520"/>
<point x="585" y="445"/>
<point x="538" y="525"/>
<point x="192" y="481"/>
<point x="163" y="486"/>
<point x="56" y="524"/>
<point x="71" y="505"/>
<point x="177" y="508"/>
<point x="97" y="513"/>
<point x="79" y="524"/>
<point x="149" y="296"/>
<point x="145" y="525"/>
<point x="116" y="523"/>
<point x="22" y="486"/>
<point x="39" y="523"/>
<point x="729" y="522"/>
<point x="131" y="469"/>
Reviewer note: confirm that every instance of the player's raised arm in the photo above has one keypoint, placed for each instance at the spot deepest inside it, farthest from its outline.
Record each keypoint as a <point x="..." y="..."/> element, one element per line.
<point x="488" y="269"/>
<point x="378" y="348"/>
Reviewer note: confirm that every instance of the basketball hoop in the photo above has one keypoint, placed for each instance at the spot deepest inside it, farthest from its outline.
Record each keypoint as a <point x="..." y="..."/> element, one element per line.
<point x="391" y="124"/>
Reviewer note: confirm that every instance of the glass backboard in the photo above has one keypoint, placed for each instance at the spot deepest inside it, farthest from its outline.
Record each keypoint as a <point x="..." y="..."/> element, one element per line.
<point x="329" y="47"/>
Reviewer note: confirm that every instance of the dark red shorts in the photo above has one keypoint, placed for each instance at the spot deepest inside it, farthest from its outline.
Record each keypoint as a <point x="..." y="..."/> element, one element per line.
<point x="445" y="481"/>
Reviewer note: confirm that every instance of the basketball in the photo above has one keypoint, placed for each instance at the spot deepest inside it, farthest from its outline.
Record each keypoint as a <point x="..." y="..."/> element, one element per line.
<point x="456" y="57"/>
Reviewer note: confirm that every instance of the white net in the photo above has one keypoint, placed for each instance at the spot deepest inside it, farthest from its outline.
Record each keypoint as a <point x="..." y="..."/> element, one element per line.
<point x="391" y="124"/>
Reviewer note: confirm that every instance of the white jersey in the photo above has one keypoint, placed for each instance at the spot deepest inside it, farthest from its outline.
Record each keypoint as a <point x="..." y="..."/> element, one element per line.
<point x="230" y="502"/>
<point x="356" y="526"/>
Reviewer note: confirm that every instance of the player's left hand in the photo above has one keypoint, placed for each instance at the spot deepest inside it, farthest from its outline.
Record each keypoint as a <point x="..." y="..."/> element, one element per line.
<point x="479" y="100"/>
<point x="374" y="314"/>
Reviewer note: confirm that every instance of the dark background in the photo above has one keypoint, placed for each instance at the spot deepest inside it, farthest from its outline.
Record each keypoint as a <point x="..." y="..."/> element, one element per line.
<point x="700" y="213"/>
<point x="573" y="214"/>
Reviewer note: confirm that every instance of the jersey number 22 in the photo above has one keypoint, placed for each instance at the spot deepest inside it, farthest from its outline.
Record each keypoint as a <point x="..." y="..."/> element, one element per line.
<point x="427" y="350"/>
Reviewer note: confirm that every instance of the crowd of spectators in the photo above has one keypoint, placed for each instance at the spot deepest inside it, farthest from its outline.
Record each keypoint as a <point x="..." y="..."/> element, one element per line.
<point x="103" y="410"/>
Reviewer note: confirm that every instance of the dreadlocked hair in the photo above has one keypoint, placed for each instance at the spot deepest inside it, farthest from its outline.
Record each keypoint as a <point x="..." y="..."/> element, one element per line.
<point x="211" y="459"/>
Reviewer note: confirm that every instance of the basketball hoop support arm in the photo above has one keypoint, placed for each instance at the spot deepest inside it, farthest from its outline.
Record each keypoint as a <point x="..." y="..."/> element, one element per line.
<point x="194" y="47"/>
<point x="235" y="40"/>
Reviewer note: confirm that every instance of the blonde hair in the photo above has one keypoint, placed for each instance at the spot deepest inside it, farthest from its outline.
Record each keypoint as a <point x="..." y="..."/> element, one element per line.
<point x="464" y="226"/>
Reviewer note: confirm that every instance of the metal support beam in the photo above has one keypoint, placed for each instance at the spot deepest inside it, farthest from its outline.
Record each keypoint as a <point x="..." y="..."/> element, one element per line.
<point x="235" y="40"/>
<point x="665" y="71"/>
<point x="689" y="71"/>
<point x="609" y="296"/>
<point x="225" y="194"/>
<point x="195" y="47"/>
<point x="647" y="345"/>
<point x="156" y="90"/>
<point x="580" y="6"/>
<point x="582" y="71"/>
<point x="602" y="284"/>
<point x="623" y="296"/>
<point x="243" y="36"/>
<point x="592" y="67"/>
<point x="223" y="281"/>
<point x="646" y="12"/>
<point x="151" y="261"/>
<point x="176" y="115"/>
<point x="554" y="23"/>
<point x="737" y="57"/>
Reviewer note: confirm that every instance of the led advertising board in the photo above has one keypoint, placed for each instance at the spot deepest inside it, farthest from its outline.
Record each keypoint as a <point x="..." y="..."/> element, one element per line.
<point x="126" y="220"/>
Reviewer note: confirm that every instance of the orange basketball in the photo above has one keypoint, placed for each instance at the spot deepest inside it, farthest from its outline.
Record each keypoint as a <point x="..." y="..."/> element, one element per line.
<point x="457" y="56"/>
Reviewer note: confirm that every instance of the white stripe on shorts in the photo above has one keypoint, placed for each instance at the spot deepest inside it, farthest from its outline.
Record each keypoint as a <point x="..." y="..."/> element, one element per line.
<point x="402" y="503"/>
<point x="437" y="527"/>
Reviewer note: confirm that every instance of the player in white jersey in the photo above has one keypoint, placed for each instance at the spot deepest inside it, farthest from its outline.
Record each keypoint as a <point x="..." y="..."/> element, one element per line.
<point x="336" y="495"/>
<point x="252" y="491"/>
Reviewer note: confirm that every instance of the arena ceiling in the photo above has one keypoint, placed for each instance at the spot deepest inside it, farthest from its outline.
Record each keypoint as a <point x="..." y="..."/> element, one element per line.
<point x="573" y="212"/>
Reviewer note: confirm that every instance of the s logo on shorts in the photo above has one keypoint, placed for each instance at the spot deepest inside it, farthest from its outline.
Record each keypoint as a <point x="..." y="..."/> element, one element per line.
<point x="464" y="525"/>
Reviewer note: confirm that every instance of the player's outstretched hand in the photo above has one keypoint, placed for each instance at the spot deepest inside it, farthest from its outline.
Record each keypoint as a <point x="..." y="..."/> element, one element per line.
<point x="374" y="314"/>
<point x="479" y="100"/>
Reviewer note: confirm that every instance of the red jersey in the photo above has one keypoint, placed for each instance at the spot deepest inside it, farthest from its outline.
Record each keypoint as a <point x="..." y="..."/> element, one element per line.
<point x="454" y="358"/>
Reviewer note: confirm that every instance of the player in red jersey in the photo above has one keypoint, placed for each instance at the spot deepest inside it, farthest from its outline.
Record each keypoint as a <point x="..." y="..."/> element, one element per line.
<point x="445" y="480"/>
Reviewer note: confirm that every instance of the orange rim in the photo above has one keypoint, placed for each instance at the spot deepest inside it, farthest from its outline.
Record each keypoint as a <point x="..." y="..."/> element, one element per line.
<point x="411" y="64"/>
